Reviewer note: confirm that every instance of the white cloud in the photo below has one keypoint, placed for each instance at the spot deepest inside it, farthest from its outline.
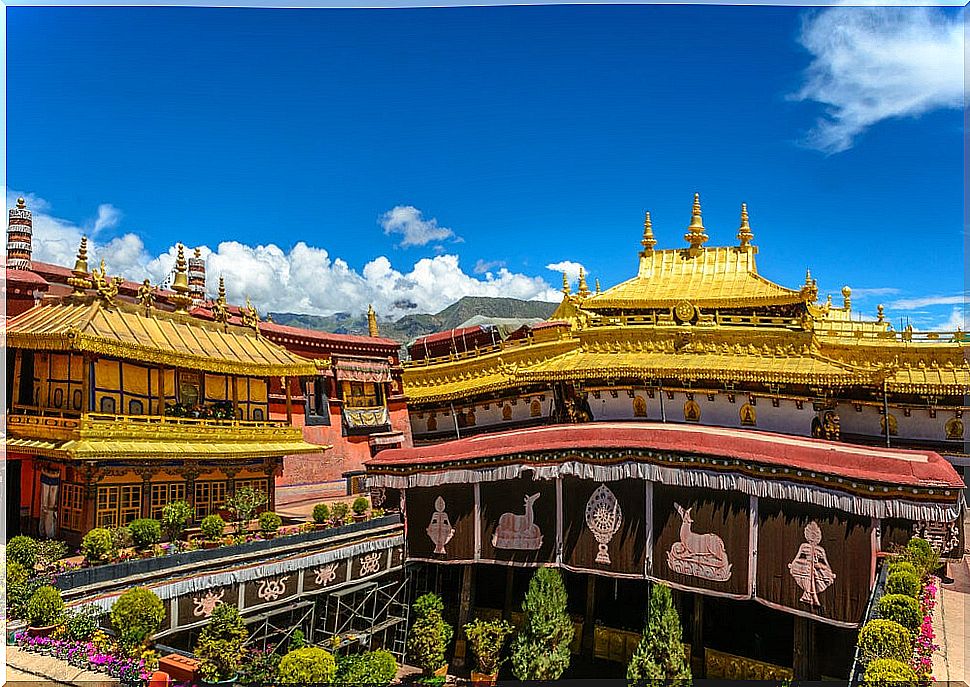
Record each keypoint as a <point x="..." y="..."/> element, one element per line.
<point x="305" y="279"/>
<point x="569" y="267"/>
<point x="957" y="320"/>
<point x="108" y="218"/>
<point x="924" y="301"/>
<point x="485" y="266"/>
<point x="408" y="221"/>
<point x="875" y="63"/>
<point x="875" y="291"/>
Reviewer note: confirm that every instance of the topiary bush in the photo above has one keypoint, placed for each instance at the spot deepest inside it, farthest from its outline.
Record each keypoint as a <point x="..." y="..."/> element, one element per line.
<point x="920" y="553"/>
<point x="307" y="666"/>
<point x="45" y="607"/>
<point x="81" y="623"/>
<point x="23" y="550"/>
<point x="903" y="583"/>
<point x="372" y="668"/>
<point x="486" y="639"/>
<point x="360" y="505"/>
<point x="901" y="565"/>
<point x="18" y="589"/>
<point x="220" y="644"/>
<point x="889" y="671"/>
<point x="135" y="616"/>
<point x="901" y="608"/>
<point x="145" y="532"/>
<point x="98" y="546"/>
<point x="429" y="635"/>
<point x="321" y="513"/>
<point x="212" y="527"/>
<point x="882" y="638"/>
<point x="541" y="650"/>
<point x="269" y="522"/>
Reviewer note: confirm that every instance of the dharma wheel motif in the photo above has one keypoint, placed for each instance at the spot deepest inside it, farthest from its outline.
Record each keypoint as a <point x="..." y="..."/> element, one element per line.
<point x="603" y="517"/>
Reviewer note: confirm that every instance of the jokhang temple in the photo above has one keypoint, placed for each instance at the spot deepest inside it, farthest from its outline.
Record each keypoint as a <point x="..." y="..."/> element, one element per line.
<point x="696" y="425"/>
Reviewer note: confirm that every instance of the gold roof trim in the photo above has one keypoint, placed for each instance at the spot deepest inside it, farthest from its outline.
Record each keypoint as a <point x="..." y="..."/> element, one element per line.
<point x="130" y="332"/>
<point x="88" y="449"/>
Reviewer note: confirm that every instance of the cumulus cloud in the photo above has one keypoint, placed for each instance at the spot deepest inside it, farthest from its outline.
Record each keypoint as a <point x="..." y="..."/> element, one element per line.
<point x="304" y="279"/>
<point x="408" y="221"/>
<point x="925" y="301"/>
<point x="569" y="267"/>
<point x="108" y="218"/>
<point x="956" y="320"/>
<point x="876" y="63"/>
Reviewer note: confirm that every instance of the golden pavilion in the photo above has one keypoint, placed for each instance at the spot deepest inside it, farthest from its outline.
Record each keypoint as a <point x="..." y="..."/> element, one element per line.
<point x="118" y="408"/>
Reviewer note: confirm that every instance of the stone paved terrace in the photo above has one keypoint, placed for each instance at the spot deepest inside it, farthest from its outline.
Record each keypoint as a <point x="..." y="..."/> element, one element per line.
<point x="952" y="624"/>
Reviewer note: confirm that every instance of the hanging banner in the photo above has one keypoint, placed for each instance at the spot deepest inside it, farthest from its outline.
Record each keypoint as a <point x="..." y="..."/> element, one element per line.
<point x="518" y="521"/>
<point x="324" y="576"/>
<point x="702" y="540"/>
<point x="604" y="527"/>
<point x="814" y="562"/>
<point x="441" y="523"/>
<point x="198" y="606"/>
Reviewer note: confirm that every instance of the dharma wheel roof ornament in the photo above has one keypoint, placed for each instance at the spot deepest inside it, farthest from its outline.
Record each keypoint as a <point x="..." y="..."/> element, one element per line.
<point x="648" y="241"/>
<point x="745" y="235"/>
<point x="695" y="235"/>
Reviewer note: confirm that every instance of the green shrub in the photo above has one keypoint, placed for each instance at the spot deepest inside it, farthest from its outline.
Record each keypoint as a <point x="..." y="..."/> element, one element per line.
<point x="269" y="521"/>
<point x="889" y="671"/>
<point x="220" y="644"/>
<point x="83" y="622"/>
<point x="429" y="635"/>
<point x="297" y="640"/>
<point x="23" y="549"/>
<point x="920" y="553"/>
<point x="260" y="668"/>
<point x="903" y="583"/>
<point x="372" y="668"/>
<point x="18" y="589"/>
<point x="49" y="551"/>
<point x="307" y="666"/>
<point x="360" y="505"/>
<point x="98" y="545"/>
<point x="541" y="650"/>
<point x="212" y="527"/>
<point x="45" y="607"/>
<point x="901" y="565"/>
<point x="321" y="513"/>
<point x="135" y="616"/>
<point x="244" y="503"/>
<point x="176" y="517"/>
<point x="903" y="609"/>
<point x="121" y="538"/>
<point x="486" y="639"/>
<point x="882" y="638"/>
<point x="145" y="532"/>
<point x="659" y="657"/>
<point x="339" y="512"/>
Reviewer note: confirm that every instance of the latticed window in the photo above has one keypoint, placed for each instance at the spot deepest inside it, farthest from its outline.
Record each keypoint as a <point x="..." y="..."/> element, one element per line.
<point x="72" y="505"/>
<point x="164" y="494"/>
<point x="257" y="484"/>
<point x="130" y="503"/>
<point x="118" y="505"/>
<point x="209" y="497"/>
<point x="107" y="511"/>
<point x="361" y="394"/>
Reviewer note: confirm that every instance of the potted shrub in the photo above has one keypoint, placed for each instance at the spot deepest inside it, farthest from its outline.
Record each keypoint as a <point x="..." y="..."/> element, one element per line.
<point x="903" y="582"/>
<point x="888" y="671"/>
<point x="881" y="638"/>
<point x="145" y="533"/>
<point x="901" y="608"/>
<point x="212" y="526"/>
<point x="359" y="507"/>
<point x="321" y="515"/>
<point x="310" y="665"/>
<point x="176" y="517"/>
<point x="23" y="550"/>
<point x="44" y="611"/>
<point x="269" y="523"/>
<point x="220" y="647"/>
<point x="541" y="649"/>
<point x="339" y="513"/>
<point x="18" y="589"/>
<point x="135" y="616"/>
<point x="49" y="552"/>
<point x="243" y="505"/>
<point x="98" y="546"/>
<point x="429" y="636"/>
<point x="372" y="668"/>
<point x="486" y="639"/>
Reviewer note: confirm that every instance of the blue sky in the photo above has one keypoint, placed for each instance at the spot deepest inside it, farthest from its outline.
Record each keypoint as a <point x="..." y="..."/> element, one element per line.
<point x="324" y="159"/>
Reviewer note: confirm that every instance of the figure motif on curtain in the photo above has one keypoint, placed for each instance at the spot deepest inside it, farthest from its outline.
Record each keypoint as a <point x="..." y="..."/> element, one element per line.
<point x="440" y="529"/>
<point x="810" y="567"/>
<point x="518" y="532"/>
<point x="698" y="555"/>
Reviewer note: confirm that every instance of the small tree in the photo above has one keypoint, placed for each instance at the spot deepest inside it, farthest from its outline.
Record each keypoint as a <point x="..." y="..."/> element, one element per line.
<point x="145" y="532"/>
<point x="243" y="504"/>
<point x="360" y="505"/>
<point x="660" y="654"/>
<point x="212" y="527"/>
<point x="136" y="616"/>
<point x="541" y="650"/>
<point x="23" y="550"/>
<point x="321" y="513"/>
<point x="176" y="517"/>
<point x="45" y="607"/>
<point x="430" y="634"/>
<point x="487" y="637"/>
<point x="220" y="644"/>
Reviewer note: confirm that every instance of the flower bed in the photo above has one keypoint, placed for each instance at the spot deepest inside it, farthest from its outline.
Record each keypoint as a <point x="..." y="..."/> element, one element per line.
<point x="923" y="644"/>
<point x="98" y="654"/>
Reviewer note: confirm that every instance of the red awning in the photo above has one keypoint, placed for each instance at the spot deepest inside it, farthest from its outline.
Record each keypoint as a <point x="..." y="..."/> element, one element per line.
<point x="356" y="370"/>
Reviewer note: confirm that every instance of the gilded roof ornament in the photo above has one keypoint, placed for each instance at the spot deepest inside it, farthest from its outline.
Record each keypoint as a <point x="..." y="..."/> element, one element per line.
<point x="565" y="284"/>
<point x="220" y="312"/>
<point x="847" y="298"/>
<point x="880" y="313"/>
<point x="106" y="286"/>
<point x="695" y="235"/>
<point x="372" y="327"/>
<point x="79" y="279"/>
<point x="583" y="289"/>
<point x="598" y="289"/>
<point x="146" y="294"/>
<point x="180" y="285"/>
<point x="648" y="241"/>
<point x="250" y="317"/>
<point x="745" y="234"/>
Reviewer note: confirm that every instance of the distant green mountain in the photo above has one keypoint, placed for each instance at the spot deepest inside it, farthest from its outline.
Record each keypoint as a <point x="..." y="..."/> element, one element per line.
<point x="410" y="327"/>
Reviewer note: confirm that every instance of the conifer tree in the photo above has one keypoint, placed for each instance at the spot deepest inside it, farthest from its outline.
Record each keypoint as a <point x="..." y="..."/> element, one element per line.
<point x="660" y="654"/>
<point x="541" y="650"/>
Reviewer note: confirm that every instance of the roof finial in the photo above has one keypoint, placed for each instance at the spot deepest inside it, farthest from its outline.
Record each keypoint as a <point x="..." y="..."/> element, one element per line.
<point x="846" y="298"/>
<point x="695" y="235"/>
<point x="222" y="290"/>
<point x="565" y="284"/>
<point x="79" y="279"/>
<point x="583" y="290"/>
<point x="220" y="311"/>
<point x="21" y="203"/>
<point x="880" y="313"/>
<point x="648" y="241"/>
<point x="744" y="231"/>
<point x="372" y="322"/>
<point x="180" y="285"/>
<point x="598" y="290"/>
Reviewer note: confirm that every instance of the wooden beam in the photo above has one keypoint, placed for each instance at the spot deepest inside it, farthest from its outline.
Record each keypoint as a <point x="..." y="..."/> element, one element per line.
<point x="589" y="619"/>
<point x="464" y="614"/>
<point x="289" y="400"/>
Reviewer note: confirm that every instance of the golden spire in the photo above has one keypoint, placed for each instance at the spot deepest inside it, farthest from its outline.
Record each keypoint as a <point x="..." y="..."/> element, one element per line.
<point x="846" y="298"/>
<point x="695" y="235"/>
<point x="744" y="231"/>
<point x="220" y="311"/>
<point x="372" y="322"/>
<point x="21" y="204"/>
<point x="565" y="284"/>
<point x="79" y="279"/>
<point x="222" y="290"/>
<point x="808" y="277"/>
<point x="180" y="285"/>
<point x="598" y="290"/>
<point x="583" y="290"/>
<point x="880" y="313"/>
<point x="648" y="241"/>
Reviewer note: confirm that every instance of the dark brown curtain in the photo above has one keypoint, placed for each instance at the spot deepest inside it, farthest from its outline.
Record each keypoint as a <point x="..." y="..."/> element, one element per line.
<point x="625" y="547"/>
<point x="425" y="522"/>
<point x="514" y="529"/>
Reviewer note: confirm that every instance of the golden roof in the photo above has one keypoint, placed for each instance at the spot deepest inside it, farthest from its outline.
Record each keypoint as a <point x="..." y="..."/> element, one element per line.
<point x="722" y="276"/>
<point x="88" y="449"/>
<point x="130" y="332"/>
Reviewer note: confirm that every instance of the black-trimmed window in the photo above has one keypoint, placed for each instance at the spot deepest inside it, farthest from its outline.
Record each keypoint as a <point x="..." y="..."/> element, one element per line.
<point x="317" y="404"/>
